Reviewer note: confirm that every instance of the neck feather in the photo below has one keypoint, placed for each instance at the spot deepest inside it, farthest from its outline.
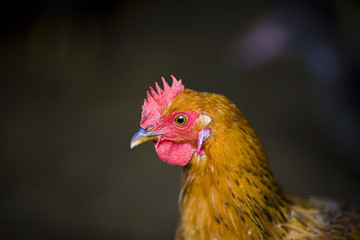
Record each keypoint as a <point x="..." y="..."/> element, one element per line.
<point x="230" y="191"/>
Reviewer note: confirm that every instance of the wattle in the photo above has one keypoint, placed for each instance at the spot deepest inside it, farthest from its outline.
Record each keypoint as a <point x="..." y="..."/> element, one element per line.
<point x="174" y="153"/>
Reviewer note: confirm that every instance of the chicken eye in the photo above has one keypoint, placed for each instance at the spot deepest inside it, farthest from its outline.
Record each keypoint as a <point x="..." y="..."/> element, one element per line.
<point x="181" y="120"/>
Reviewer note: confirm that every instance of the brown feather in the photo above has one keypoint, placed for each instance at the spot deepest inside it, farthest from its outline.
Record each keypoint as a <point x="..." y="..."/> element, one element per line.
<point x="231" y="193"/>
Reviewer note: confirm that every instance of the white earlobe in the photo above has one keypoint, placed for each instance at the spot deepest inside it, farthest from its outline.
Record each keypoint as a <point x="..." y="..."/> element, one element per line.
<point x="204" y="135"/>
<point x="204" y="119"/>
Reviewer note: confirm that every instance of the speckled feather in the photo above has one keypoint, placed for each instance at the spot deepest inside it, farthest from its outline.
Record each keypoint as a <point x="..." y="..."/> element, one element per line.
<point x="229" y="191"/>
<point x="232" y="194"/>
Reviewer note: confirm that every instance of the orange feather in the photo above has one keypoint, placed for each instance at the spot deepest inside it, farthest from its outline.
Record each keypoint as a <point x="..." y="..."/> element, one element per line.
<point x="229" y="191"/>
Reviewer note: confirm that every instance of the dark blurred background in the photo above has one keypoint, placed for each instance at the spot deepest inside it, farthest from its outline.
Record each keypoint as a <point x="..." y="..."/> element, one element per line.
<point x="74" y="75"/>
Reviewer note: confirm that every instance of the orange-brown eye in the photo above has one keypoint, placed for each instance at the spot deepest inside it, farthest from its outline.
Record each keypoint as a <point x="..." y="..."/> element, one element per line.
<point x="181" y="120"/>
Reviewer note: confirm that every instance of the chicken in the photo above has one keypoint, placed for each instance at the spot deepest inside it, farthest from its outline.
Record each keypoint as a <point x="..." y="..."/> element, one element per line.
<point x="228" y="190"/>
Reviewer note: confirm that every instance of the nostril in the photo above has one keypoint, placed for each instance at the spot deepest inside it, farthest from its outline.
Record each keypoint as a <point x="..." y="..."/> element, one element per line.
<point x="149" y="128"/>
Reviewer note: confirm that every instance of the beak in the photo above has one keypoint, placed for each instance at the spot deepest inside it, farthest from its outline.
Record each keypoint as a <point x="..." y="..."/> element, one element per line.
<point x="142" y="136"/>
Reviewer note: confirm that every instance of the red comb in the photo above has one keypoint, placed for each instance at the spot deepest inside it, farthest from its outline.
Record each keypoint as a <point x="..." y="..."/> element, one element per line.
<point x="157" y="100"/>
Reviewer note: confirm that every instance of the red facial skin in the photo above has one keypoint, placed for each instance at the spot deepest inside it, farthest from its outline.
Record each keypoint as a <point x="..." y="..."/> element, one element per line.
<point x="178" y="143"/>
